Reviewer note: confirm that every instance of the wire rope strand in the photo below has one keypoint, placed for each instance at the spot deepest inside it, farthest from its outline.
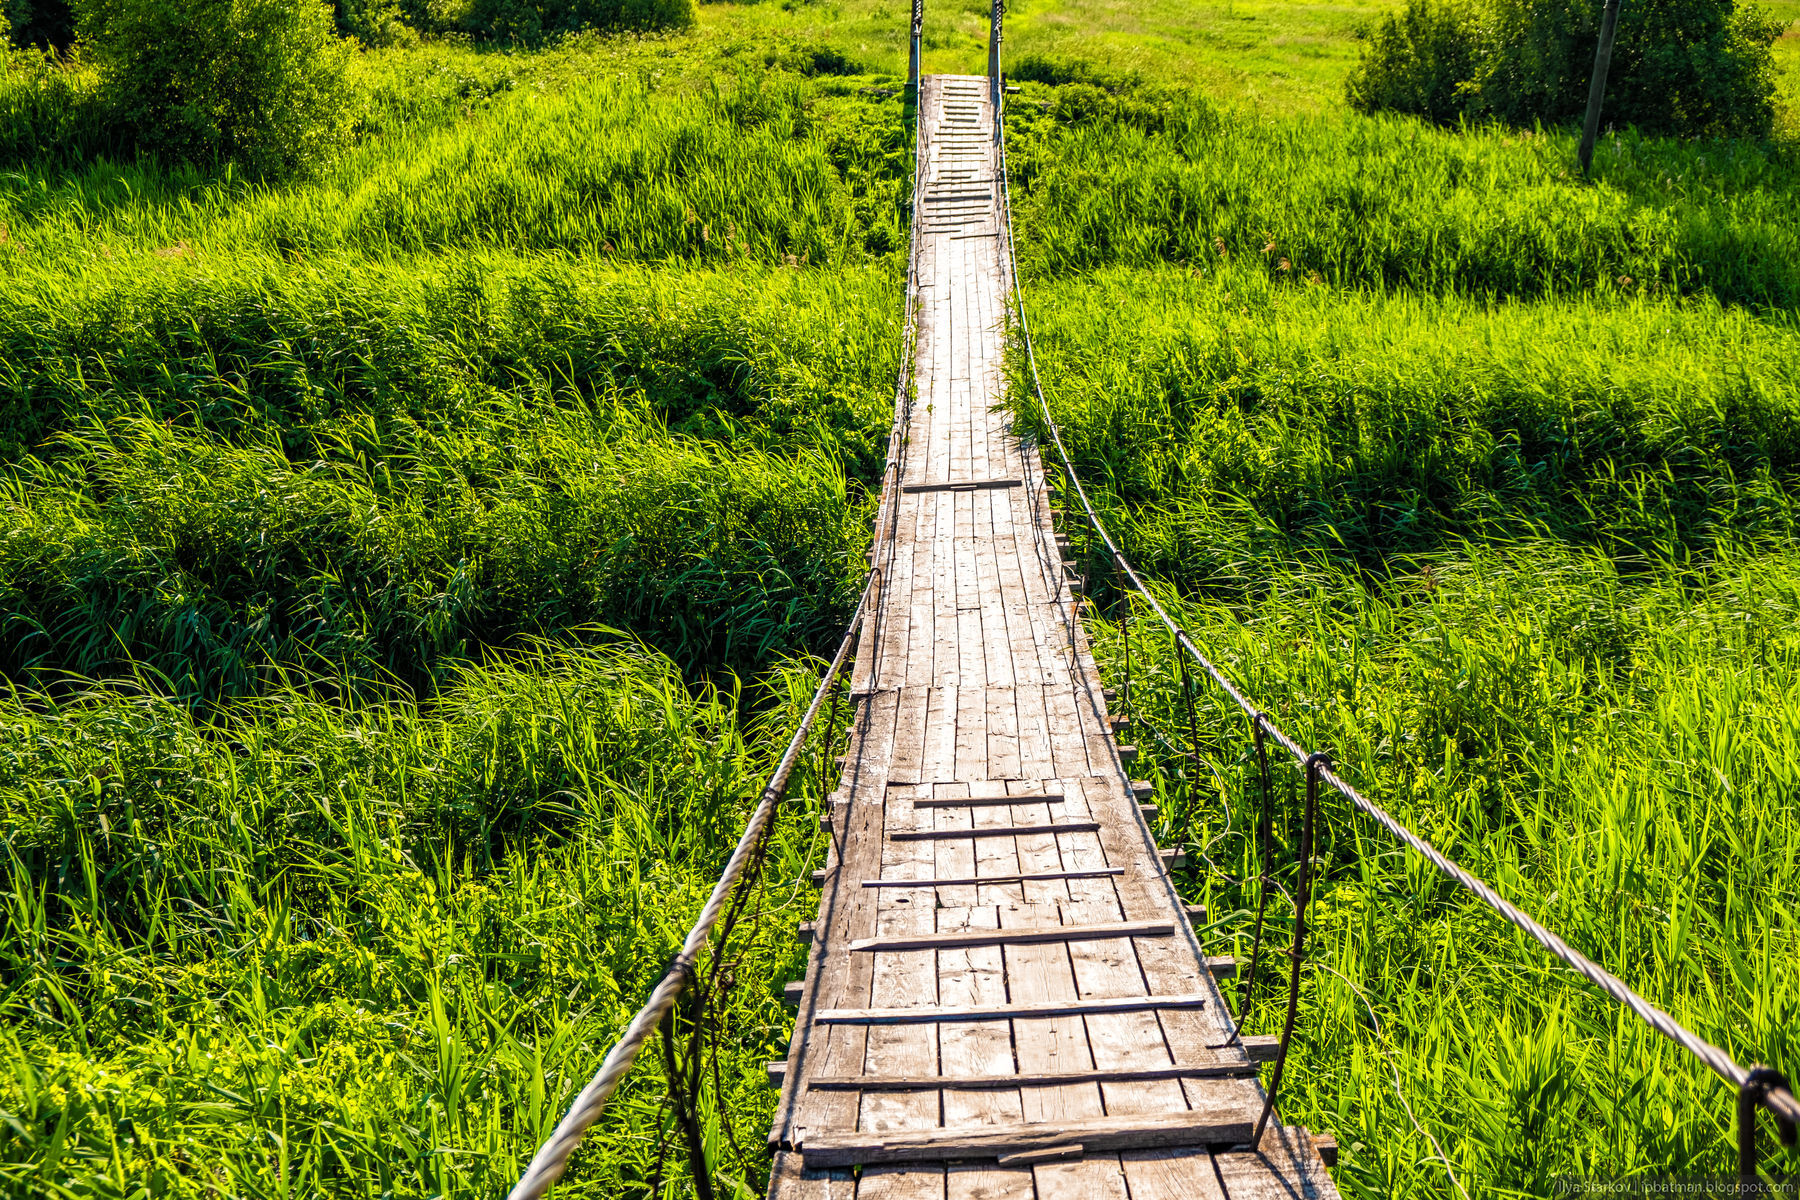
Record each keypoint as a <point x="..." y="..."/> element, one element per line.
<point x="1779" y="1101"/>
<point x="552" y="1158"/>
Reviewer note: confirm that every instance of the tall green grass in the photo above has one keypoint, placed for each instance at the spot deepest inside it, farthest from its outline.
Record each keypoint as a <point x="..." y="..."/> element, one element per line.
<point x="368" y="947"/>
<point x="1232" y="416"/>
<point x="384" y="557"/>
<point x="219" y="567"/>
<point x="1130" y="181"/>
<point x="747" y="171"/>
<point x="1612" y="750"/>
<point x="353" y="468"/>
<point x="345" y="819"/>
<point x="1527" y="569"/>
<point x="251" y="345"/>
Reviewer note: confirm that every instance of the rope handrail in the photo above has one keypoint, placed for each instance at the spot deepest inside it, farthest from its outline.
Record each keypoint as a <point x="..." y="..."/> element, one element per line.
<point x="552" y="1158"/>
<point x="1758" y="1085"/>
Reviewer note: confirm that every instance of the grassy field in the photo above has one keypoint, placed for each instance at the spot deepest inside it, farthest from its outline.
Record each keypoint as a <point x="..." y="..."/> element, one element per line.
<point x="408" y="573"/>
<point x="1485" y="480"/>
<point x="1273" y="56"/>
<point x="408" y="576"/>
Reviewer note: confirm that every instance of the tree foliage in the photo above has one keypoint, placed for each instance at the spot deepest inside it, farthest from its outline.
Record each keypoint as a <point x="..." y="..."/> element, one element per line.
<point x="37" y="24"/>
<point x="259" y="83"/>
<point x="1682" y="67"/>
<point x="531" y="21"/>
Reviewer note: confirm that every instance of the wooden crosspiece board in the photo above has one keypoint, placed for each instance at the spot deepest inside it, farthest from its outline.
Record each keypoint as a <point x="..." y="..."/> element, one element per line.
<point x="995" y="907"/>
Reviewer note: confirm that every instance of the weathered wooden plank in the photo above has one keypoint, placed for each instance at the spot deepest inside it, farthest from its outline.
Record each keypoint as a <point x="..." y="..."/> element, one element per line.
<point x="949" y="857"/>
<point x="972" y="880"/>
<point x="926" y="835"/>
<point x="789" y="1178"/>
<point x="1002" y="732"/>
<point x="965" y="485"/>
<point x="971" y="724"/>
<point x="939" y="761"/>
<point x="996" y="858"/>
<point x="1287" y="1167"/>
<point x="1027" y="1079"/>
<point x="1093" y="931"/>
<point x="1088" y="1178"/>
<point x="1184" y="1174"/>
<point x="919" y="1181"/>
<point x="972" y="980"/>
<point x="1048" y="1008"/>
<point x="989" y="801"/>
<point x="995" y="642"/>
<point x="1223" y="1126"/>
<point x="836" y="979"/>
<point x="981" y="1181"/>
<point x="903" y="977"/>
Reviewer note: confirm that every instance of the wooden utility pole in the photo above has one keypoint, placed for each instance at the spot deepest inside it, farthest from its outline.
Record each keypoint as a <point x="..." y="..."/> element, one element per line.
<point x="1609" y="24"/>
<point x="994" y="85"/>
<point x="912" y="65"/>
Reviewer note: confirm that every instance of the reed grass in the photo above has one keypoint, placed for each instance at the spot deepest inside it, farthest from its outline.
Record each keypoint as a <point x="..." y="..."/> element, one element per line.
<point x="370" y="947"/>
<point x="1392" y="203"/>
<point x="346" y="467"/>
<point x="1611" y="747"/>
<point x="407" y="574"/>
<point x="1527" y="569"/>
<point x="617" y="166"/>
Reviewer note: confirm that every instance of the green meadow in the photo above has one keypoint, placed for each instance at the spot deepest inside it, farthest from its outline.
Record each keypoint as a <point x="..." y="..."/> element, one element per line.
<point x="410" y="573"/>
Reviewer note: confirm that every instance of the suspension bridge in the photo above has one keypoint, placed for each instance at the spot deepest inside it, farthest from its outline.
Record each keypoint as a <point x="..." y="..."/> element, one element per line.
<point x="1005" y="998"/>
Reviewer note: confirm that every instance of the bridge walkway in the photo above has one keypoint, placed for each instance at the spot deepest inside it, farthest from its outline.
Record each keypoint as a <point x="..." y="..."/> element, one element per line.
<point x="1004" y="997"/>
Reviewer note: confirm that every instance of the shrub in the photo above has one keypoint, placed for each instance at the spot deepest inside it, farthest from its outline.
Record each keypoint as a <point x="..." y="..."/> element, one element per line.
<point x="811" y="59"/>
<point x="259" y="83"/>
<point x="372" y="22"/>
<point x="1683" y="67"/>
<point x="1417" y="62"/>
<point x="535" y="20"/>
<point x="39" y="24"/>
<point x="1695" y="66"/>
<point x="50" y="107"/>
<point x="1057" y="71"/>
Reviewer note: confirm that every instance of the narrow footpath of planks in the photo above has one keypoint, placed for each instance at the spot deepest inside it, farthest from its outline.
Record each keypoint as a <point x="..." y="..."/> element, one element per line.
<point x="1004" y="997"/>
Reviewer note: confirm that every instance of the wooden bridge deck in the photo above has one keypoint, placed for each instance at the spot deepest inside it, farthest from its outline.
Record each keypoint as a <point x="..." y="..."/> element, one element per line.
<point x="995" y="909"/>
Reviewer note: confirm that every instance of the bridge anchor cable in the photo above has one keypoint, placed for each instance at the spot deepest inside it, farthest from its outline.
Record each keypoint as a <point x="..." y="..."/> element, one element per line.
<point x="1757" y="1087"/>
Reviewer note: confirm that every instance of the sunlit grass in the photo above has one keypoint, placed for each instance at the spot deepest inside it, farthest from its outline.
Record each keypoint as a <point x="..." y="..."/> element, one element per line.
<point x="372" y="948"/>
<point x="1610" y="744"/>
<point x="381" y="557"/>
<point x="1528" y="571"/>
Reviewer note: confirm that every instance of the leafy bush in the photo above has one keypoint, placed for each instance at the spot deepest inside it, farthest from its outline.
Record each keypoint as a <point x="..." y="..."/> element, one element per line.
<point x="40" y="24"/>
<point x="1686" y="67"/>
<point x="259" y="83"/>
<point x="811" y="59"/>
<point x="50" y="107"/>
<point x="1056" y="70"/>
<point x="1417" y="62"/>
<point x="372" y="22"/>
<point x="534" y="20"/>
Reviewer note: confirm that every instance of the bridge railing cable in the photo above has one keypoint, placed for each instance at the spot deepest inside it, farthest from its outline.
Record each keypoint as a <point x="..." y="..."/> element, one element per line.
<point x="552" y="1158"/>
<point x="1756" y="1086"/>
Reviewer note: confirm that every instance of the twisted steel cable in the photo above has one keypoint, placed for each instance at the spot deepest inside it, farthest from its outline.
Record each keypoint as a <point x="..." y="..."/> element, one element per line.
<point x="552" y="1158"/>
<point x="1778" y="1100"/>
